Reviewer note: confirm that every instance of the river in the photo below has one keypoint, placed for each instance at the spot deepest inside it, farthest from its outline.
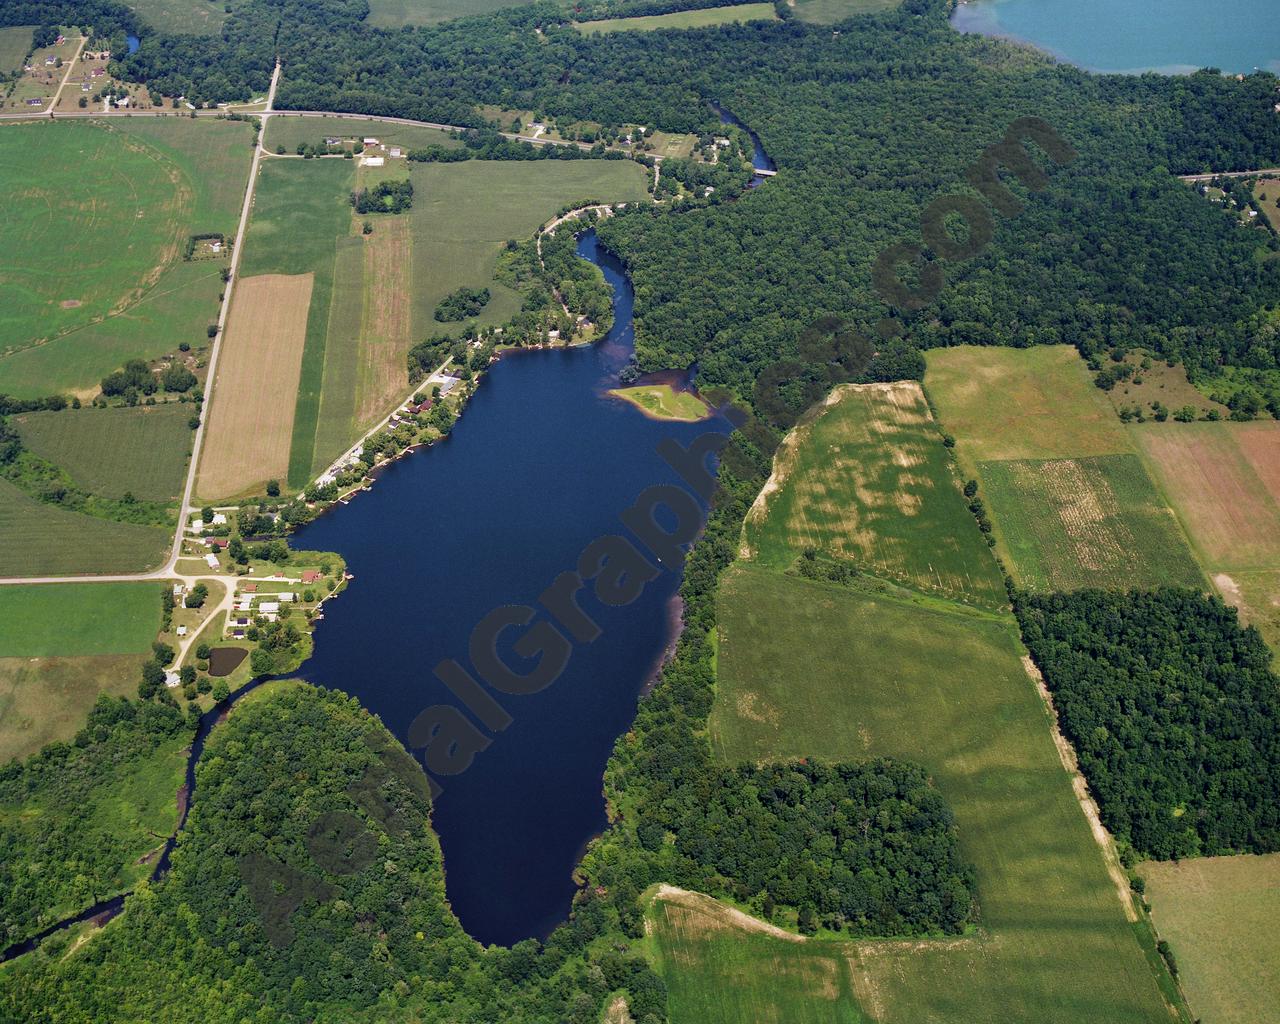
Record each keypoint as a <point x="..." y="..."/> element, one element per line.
<point x="1173" y="36"/>
<point x="540" y="464"/>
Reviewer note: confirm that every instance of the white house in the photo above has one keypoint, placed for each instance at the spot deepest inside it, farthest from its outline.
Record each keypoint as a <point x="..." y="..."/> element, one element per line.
<point x="269" y="607"/>
<point x="370" y="142"/>
<point x="172" y="679"/>
<point x="212" y="561"/>
<point x="218" y="518"/>
<point x="395" y="150"/>
<point x="286" y="598"/>
<point x="372" y="161"/>
<point x="182" y="631"/>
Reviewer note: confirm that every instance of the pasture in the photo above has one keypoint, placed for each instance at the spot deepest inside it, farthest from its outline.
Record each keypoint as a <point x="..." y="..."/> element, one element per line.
<point x="71" y="619"/>
<point x="141" y="451"/>
<point x="1026" y="403"/>
<point x="1219" y="916"/>
<point x="717" y="970"/>
<point x="1223" y="480"/>
<point x="14" y="44"/>
<point x="374" y="295"/>
<point x="705" y="17"/>
<point x="185" y="17"/>
<point x="44" y="540"/>
<point x="252" y="414"/>
<point x="1099" y="522"/>
<point x="828" y="12"/>
<point x="812" y="669"/>
<point x="663" y="402"/>
<point x="1256" y="595"/>
<point x="48" y="699"/>
<point x="291" y="131"/>
<point x="864" y="477"/>
<point x="1267" y="192"/>
<point x="91" y="263"/>
<point x="398" y="13"/>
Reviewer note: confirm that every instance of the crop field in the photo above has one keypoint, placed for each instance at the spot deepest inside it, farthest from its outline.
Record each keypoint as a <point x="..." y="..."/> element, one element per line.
<point x="251" y="420"/>
<point x="290" y="131"/>
<point x="1219" y="916"/>
<point x="718" y="971"/>
<point x="811" y="669"/>
<point x="141" y="451"/>
<point x="188" y="17"/>
<point x="14" y="44"/>
<point x="1224" y="481"/>
<point x="1032" y="403"/>
<point x="828" y="12"/>
<point x="48" y="699"/>
<point x="866" y="478"/>
<point x="698" y="18"/>
<point x="43" y="540"/>
<point x="398" y="13"/>
<point x="68" y="619"/>
<point x="1071" y="523"/>
<point x="91" y="263"/>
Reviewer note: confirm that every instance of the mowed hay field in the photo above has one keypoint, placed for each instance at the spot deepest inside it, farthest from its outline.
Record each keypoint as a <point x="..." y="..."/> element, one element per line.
<point x="251" y="420"/>
<point x="865" y="477"/>
<point x="398" y="13"/>
<point x="67" y="619"/>
<point x="811" y="669"/>
<point x="827" y="12"/>
<point x="141" y="451"/>
<point x="43" y="540"/>
<point x="716" y="970"/>
<point x="698" y="18"/>
<point x="92" y="239"/>
<point x="1072" y="503"/>
<point x="14" y="44"/>
<point x="185" y="17"/>
<point x="1219" y="915"/>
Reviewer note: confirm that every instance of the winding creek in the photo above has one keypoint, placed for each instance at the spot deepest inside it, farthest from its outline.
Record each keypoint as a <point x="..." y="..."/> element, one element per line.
<point x="541" y="463"/>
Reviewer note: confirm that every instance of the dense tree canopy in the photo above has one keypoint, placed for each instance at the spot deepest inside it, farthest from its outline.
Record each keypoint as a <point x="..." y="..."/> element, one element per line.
<point x="1174" y="711"/>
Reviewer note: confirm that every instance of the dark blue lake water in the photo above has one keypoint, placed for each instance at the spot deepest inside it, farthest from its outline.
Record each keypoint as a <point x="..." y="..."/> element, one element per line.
<point x="1172" y="36"/>
<point x="540" y="464"/>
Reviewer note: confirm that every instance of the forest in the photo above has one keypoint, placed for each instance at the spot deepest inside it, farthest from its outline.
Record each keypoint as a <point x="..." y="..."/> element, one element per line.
<point x="460" y="304"/>
<point x="1174" y="712"/>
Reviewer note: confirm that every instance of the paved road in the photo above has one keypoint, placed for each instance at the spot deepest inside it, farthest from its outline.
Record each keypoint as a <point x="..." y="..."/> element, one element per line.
<point x="1229" y="174"/>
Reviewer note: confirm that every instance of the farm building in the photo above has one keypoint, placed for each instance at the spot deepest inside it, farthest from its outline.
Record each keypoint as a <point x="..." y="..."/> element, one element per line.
<point x="212" y="561"/>
<point x="370" y="142"/>
<point x="269" y="607"/>
<point x="373" y="161"/>
<point x="182" y="631"/>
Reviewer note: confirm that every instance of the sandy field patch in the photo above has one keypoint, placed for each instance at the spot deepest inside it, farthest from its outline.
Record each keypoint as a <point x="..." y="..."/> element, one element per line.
<point x="251" y="419"/>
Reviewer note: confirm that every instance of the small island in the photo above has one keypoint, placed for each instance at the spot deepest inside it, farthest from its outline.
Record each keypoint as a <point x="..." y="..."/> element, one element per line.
<point x="663" y="402"/>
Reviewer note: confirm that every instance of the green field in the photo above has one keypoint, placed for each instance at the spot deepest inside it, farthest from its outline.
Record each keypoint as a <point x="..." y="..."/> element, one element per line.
<point x="811" y="669"/>
<point x="827" y="12"/>
<point x="1219" y="914"/>
<point x="398" y="13"/>
<point x="91" y="262"/>
<point x="698" y="18"/>
<point x="716" y="972"/>
<point x="865" y="478"/>
<point x="43" y="540"/>
<point x="185" y="17"/>
<point x="1099" y="522"/>
<point x="663" y="402"/>
<point x="290" y="131"/>
<point x="373" y="296"/>
<point x="142" y="450"/>
<point x="47" y="699"/>
<point x="67" y="619"/>
<point x="14" y="44"/>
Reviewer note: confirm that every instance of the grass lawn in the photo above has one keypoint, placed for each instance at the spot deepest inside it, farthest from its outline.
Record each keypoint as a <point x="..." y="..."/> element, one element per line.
<point x="810" y="669"/>
<point x="290" y="131"/>
<point x="827" y="12"/>
<point x="1219" y="916"/>
<point x="67" y="619"/>
<point x="14" y="44"/>
<point x="397" y="13"/>
<point x="44" y="540"/>
<point x="699" y="18"/>
<point x="142" y="450"/>
<point x="1270" y="189"/>
<point x="91" y="263"/>
<point x="48" y="699"/>
<point x="187" y="17"/>
<point x="374" y="295"/>
<point x="1021" y="403"/>
<point x="716" y="971"/>
<point x="1099" y="522"/>
<point x="663" y="402"/>
<point x="865" y="478"/>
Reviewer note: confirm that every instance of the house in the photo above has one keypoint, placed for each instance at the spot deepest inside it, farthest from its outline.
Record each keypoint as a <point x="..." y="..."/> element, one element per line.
<point x="269" y="607"/>
<point x="553" y="334"/>
<point x="35" y="103"/>
<point x="242" y="622"/>
<point x="51" y="61"/>
<point x="311" y="576"/>
<point x="286" y="598"/>
<point x="99" y="72"/>
<point x="212" y="561"/>
<point x="244" y="604"/>
<point x="250" y="588"/>
<point x="182" y="631"/>
<point x="395" y="150"/>
<point x="218" y="543"/>
<point x="332" y="140"/>
<point x="123" y="101"/>
<point x="446" y="383"/>
<point x="172" y="679"/>
<point x="370" y="142"/>
<point x="237" y="634"/>
<point x="178" y="590"/>
<point x="372" y="161"/>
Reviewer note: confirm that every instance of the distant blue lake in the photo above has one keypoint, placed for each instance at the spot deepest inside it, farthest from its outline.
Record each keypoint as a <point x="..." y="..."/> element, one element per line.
<point x="1171" y="36"/>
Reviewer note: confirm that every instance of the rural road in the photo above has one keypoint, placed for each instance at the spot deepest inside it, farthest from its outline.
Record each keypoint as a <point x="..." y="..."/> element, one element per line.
<point x="1228" y="174"/>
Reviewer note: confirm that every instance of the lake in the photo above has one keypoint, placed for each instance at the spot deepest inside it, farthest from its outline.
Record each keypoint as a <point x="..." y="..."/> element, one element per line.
<point x="540" y="464"/>
<point x="1173" y="36"/>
